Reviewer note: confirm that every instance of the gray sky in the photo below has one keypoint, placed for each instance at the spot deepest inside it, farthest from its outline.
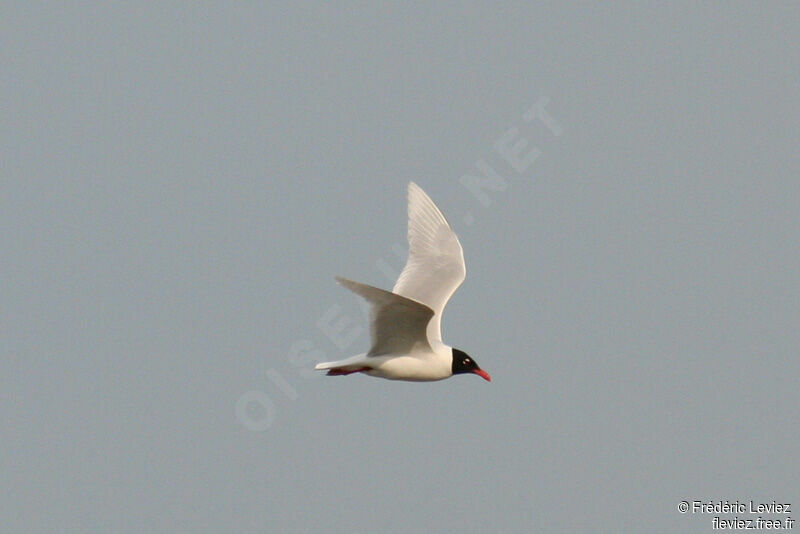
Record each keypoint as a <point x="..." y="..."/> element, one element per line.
<point x="181" y="184"/>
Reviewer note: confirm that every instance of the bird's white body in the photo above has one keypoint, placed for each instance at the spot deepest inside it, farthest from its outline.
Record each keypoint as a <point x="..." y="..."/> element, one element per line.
<point x="423" y="365"/>
<point x="405" y="323"/>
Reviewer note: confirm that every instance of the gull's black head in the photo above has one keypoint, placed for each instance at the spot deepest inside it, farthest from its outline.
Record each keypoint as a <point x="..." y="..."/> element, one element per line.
<point x="463" y="363"/>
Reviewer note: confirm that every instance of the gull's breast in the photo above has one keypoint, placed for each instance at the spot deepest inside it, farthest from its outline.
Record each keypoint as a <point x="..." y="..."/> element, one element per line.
<point x="407" y="367"/>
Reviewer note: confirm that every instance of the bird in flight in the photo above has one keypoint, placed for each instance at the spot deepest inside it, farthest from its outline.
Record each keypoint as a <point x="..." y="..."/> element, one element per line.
<point x="405" y="324"/>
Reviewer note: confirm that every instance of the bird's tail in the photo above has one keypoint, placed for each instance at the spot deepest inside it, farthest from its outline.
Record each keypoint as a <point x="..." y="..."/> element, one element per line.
<point x="354" y="364"/>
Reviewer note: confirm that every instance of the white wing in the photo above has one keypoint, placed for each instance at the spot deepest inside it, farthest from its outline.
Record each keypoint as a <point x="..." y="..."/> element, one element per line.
<point x="435" y="266"/>
<point x="396" y="324"/>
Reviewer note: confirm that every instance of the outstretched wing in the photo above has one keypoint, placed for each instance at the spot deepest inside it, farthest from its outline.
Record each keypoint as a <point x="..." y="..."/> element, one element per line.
<point x="397" y="324"/>
<point x="435" y="266"/>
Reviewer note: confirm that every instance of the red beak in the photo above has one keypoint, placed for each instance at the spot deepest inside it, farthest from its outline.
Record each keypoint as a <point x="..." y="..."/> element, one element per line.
<point x="483" y="374"/>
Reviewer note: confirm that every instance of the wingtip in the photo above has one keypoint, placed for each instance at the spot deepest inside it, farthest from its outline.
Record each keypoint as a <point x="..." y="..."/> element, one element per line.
<point x="345" y="282"/>
<point x="422" y="205"/>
